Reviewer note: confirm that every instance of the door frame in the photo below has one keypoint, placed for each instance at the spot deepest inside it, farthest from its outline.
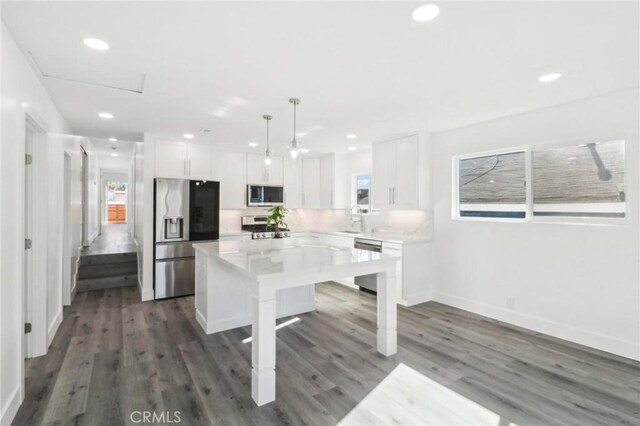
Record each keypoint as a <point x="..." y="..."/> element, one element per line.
<point x="67" y="276"/>
<point x="34" y="261"/>
<point x="84" y="159"/>
<point x="105" y="175"/>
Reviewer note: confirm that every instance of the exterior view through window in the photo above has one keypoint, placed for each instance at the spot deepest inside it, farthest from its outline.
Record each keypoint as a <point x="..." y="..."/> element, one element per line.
<point x="583" y="180"/>
<point x="362" y="187"/>
<point x="493" y="186"/>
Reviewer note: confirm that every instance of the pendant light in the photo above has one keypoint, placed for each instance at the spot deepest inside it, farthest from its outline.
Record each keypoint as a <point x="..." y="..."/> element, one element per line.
<point x="294" y="146"/>
<point x="267" y="153"/>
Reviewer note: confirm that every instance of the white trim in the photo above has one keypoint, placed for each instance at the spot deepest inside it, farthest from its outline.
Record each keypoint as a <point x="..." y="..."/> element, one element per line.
<point x="53" y="328"/>
<point x="581" y="336"/>
<point x="582" y="207"/>
<point x="10" y="410"/>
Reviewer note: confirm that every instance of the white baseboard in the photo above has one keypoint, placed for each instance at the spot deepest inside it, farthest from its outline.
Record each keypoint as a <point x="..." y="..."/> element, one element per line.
<point x="562" y="331"/>
<point x="11" y="407"/>
<point x="417" y="298"/>
<point x="53" y="328"/>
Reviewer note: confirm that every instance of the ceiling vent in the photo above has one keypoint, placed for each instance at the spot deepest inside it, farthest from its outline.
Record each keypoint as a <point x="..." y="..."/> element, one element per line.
<point x="86" y="71"/>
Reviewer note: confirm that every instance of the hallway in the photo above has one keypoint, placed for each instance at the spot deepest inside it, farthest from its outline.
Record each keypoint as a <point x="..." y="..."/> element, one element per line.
<point x="115" y="238"/>
<point x="110" y="261"/>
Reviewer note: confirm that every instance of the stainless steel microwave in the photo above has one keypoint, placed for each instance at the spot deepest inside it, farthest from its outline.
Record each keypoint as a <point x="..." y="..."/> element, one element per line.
<point x="264" y="195"/>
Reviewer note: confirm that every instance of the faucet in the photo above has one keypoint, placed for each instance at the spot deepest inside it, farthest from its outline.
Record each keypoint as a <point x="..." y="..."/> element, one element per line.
<point x="357" y="217"/>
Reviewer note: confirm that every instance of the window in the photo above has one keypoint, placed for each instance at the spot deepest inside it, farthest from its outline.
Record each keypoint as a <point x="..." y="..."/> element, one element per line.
<point x="361" y="187"/>
<point x="493" y="186"/>
<point x="585" y="180"/>
<point x="571" y="181"/>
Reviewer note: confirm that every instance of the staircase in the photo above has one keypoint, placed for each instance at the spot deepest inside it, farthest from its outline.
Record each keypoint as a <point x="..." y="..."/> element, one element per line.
<point x="100" y="271"/>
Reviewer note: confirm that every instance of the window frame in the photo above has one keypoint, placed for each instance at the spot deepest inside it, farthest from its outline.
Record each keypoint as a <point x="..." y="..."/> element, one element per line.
<point x="455" y="208"/>
<point x="529" y="216"/>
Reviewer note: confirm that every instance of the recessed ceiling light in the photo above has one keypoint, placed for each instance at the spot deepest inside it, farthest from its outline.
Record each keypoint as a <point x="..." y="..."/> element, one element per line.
<point x="113" y="140"/>
<point x="106" y="115"/>
<point x="187" y="136"/>
<point x="95" y="43"/>
<point x="352" y="136"/>
<point x="253" y="144"/>
<point x="352" y="148"/>
<point x="304" y="150"/>
<point x="549" y="77"/>
<point x="114" y="154"/>
<point x="425" y="13"/>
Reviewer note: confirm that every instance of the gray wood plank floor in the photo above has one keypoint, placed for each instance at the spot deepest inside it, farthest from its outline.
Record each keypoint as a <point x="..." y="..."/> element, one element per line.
<point x="114" y="355"/>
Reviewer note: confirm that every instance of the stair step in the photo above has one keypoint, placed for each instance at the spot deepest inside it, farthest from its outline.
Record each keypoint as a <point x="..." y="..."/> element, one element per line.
<point x="89" y="284"/>
<point x="101" y="270"/>
<point x="97" y="259"/>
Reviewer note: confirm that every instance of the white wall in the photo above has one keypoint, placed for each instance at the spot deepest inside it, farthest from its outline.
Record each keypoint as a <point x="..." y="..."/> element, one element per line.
<point x="143" y="213"/>
<point x="22" y="93"/>
<point x="576" y="282"/>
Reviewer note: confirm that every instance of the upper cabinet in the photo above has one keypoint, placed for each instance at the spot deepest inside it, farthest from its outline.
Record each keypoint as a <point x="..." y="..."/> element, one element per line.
<point x="258" y="174"/>
<point x="231" y="167"/>
<point x="184" y="160"/>
<point x="292" y="179"/>
<point x="171" y="159"/>
<point x="326" y="181"/>
<point x="317" y="182"/>
<point x="396" y="173"/>
<point x="311" y="183"/>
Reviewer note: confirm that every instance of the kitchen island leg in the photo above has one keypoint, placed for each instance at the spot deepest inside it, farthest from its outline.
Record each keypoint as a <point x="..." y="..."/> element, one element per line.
<point x="263" y="349"/>
<point x="387" y="313"/>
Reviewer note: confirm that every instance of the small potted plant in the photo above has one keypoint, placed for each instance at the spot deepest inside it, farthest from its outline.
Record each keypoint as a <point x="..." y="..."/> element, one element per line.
<point x="276" y="219"/>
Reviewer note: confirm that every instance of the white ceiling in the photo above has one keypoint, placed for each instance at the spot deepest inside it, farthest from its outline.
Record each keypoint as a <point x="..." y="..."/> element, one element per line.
<point x="359" y="67"/>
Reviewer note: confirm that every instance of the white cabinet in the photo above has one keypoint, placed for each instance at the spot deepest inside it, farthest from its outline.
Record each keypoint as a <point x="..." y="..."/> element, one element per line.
<point x="311" y="183"/>
<point x="183" y="160"/>
<point x="317" y="182"/>
<point x="257" y="173"/>
<point x="326" y="181"/>
<point x="232" y="175"/>
<point x="171" y="159"/>
<point x="292" y="178"/>
<point x="396" y="173"/>
<point x="200" y="162"/>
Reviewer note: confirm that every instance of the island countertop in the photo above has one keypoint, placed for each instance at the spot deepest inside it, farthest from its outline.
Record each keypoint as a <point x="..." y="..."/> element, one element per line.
<point x="287" y="256"/>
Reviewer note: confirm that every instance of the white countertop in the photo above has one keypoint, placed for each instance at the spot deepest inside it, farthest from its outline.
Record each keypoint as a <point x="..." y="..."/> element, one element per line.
<point x="389" y="237"/>
<point x="259" y="258"/>
<point x="380" y="236"/>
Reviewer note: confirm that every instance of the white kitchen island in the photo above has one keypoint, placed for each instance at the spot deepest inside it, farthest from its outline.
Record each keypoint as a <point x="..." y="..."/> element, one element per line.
<point x="254" y="282"/>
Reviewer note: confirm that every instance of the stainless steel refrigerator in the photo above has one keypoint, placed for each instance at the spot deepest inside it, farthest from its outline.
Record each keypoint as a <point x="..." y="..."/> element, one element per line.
<point x="186" y="211"/>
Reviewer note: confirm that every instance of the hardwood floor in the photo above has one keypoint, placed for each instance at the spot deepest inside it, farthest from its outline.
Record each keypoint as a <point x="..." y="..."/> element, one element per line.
<point x="114" y="239"/>
<point x="114" y="356"/>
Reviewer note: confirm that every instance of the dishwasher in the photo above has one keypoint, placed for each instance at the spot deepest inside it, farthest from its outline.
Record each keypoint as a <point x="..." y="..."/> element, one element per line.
<point x="369" y="282"/>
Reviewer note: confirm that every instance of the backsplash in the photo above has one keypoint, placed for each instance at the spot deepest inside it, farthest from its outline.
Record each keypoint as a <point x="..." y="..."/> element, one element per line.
<point x="414" y="222"/>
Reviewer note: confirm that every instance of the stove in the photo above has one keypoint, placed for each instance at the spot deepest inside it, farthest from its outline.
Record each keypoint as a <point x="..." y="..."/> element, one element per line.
<point x="257" y="225"/>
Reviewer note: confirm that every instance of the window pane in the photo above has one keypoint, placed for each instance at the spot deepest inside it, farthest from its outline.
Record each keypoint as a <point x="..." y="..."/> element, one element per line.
<point x="362" y="189"/>
<point x="493" y="186"/>
<point x="583" y="180"/>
